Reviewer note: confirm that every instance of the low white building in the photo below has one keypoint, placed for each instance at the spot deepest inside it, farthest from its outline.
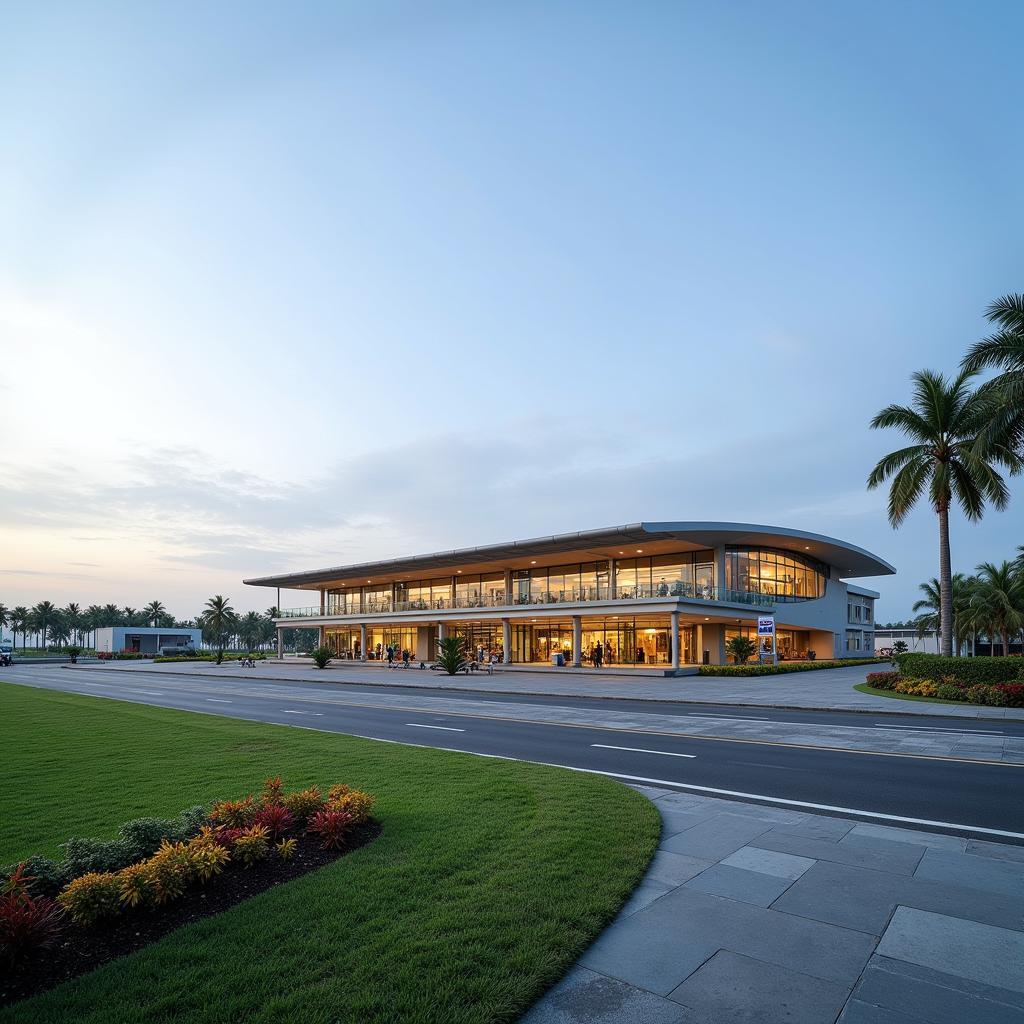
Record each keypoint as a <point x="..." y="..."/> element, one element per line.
<point x="920" y="643"/>
<point x="145" y="639"/>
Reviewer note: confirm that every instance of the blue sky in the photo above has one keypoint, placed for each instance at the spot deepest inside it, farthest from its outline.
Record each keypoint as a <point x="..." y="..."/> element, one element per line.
<point x="282" y="287"/>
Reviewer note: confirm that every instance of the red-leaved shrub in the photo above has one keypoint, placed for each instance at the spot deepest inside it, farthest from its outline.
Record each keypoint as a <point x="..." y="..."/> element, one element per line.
<point x="277" y="820"/>
<point x="331" y="826"/>
<point x="27" y="923"/>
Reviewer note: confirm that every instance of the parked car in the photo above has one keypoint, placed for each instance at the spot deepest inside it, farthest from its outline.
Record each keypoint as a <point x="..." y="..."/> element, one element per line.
<point x="6" y="654"/>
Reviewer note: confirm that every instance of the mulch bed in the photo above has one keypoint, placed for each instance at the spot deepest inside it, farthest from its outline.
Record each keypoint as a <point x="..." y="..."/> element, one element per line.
<point x="83" y="949"/>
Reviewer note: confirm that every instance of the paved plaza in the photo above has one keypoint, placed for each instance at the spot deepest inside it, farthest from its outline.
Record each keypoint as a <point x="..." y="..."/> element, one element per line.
<point x="754" y="914"/>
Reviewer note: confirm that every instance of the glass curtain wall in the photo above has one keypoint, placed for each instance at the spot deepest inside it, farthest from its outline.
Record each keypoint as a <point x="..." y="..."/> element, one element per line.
<point x="380" y="639"/>
<point x="624" y="641"/>
<point x="782" y="574"/>
<point x="343" y="601"/>
<point x="683" y="574"/>
<point x="344" y="642"/>
<point x="485" y="590"/>
<point x="482" y="638"/>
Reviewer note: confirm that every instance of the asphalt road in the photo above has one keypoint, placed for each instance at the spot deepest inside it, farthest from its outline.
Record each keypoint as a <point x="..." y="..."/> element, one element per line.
<point x="938" y="794"/>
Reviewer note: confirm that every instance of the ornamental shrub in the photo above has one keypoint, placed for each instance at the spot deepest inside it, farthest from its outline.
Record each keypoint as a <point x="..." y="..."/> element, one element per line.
<point x="976" y="694"/>
<point x="883" y="680"/>
<point x="273" y="792"/>
<point x="207" y="856"/>
<point x="304" y="803"/>
<point x="40" y="876"/>
<point x="277" y="820"/>
<point x="356" y="803"/>
<point x="967" y="670"/>
<point x="1014" y="693"/>
<point x="332" y="827"/>
<point x="234" y="813"/>
<point x="92" y="896"/>
<point x="252" y="845"/>
<point x="783" y="667"/>
<point x="27" y="923"/>
<point x="286" y="848"/>
<point x="137" y="885"/>
<point x="950" y="691"/>
<point x="322" y="656"/>
<point x="93" y="856"/>
<point x="171" y="870"/>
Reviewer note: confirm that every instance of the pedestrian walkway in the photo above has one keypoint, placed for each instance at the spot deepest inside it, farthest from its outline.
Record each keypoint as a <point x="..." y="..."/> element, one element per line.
<point x="824" y="689"/>
<point x="751" y="913"/>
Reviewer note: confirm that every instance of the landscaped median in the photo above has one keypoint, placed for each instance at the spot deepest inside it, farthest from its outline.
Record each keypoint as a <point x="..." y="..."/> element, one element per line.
<point x="782" y="668"/>
<point x="487" y="880"/>
<point x="994" y="682"/>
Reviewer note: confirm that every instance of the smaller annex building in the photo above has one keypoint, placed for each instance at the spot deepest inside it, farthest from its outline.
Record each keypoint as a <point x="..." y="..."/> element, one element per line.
<point x="144" y="639"/>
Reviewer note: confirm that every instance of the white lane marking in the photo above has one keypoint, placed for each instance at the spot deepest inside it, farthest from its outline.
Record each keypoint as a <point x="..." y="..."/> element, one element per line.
<point x="949" y="825"/>
<point x="641" y="750"/>
<point x="148" y="693"/>
<point x="314" y="714"/>
<point x="443" y="728"/>
<point x="939" y="728"/>
<point x="218" y="700"/>
<point x="731" y="718"/>
<point x="293" y="712"/>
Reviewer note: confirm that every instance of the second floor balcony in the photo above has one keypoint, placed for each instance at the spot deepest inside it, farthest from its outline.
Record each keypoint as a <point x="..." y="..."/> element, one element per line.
<point x="679" y="590"/>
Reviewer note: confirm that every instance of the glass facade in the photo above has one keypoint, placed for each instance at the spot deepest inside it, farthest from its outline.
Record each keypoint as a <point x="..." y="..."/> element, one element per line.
<point x="624" y="641"/>
<point x="783" y="575"/>
<point x="792" y="644"/>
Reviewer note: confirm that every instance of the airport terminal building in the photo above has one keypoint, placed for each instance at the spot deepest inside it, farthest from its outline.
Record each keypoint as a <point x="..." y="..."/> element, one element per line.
<point x="655" y="595"/>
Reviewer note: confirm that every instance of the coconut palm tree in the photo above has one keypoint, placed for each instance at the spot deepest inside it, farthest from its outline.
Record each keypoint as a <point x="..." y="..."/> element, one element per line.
<point x="92" y="620"/>
<point x="154" y="611"/>
<point x="219" y="618"/>
<point x="1004" y="351"/>
<point x="930" y="607"/>
<point x="1000" y="599"/>
<point x="43" y="616"/>
<point x="250" y="629"/>
<point x="5" y="618"/>
<point x="943" y="421"/>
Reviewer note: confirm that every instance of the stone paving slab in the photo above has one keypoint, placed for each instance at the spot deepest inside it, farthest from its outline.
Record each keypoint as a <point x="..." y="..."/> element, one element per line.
<point x="857" y="933"/>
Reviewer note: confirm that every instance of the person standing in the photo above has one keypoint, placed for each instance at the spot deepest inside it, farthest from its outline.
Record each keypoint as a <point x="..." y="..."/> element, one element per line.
<point x="391" y="656"/>
<point x="598" y="655"/>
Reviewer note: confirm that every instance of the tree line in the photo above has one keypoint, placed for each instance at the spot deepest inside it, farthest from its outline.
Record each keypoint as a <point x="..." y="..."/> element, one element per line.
<point x="51" y="626"/>
<point x="964" y="436"/>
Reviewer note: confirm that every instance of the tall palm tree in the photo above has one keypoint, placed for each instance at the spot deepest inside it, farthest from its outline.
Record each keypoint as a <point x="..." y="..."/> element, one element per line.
<point x="113" y="616"/>
<point x="1004" y="351"/>
<point x="154" y="611"/>
<point x="5" y="618"/>
<point x="219" y="619"/>
<point x="19" y="622"/>
<point x="1000" y="597"/>
<point x="250" y="629"/>
<point x="93" y="619"/>
<point x="43" y="615"/>
<point x="73" y="617"/>
<point x="943" y="421"/>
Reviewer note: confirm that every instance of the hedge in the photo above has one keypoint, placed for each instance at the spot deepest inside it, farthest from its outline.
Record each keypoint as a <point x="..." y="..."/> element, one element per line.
<point x="782" y="668"/>
<point x="938" y="668"/>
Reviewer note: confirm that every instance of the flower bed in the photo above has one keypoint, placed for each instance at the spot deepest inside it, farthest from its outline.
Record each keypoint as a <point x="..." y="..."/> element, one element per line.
<point x="782" y="668"/>
<point x="258" y="656"/>
<point x="108" y="898"/>
<point x="983" y="670"/>
<point x="999" y="695"/>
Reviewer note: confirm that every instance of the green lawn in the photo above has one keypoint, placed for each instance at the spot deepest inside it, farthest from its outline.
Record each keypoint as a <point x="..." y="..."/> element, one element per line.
<point x="489" y="879"/>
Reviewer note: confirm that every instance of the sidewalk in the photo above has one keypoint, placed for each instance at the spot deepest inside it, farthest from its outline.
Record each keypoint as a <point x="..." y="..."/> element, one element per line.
<point x="823" y="689"/>
<point x="751" y="913"/>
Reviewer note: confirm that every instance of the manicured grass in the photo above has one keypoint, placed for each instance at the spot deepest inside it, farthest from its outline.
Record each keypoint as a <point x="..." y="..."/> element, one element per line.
<point x="864" y="688"/>
<point x="489" y="880"/>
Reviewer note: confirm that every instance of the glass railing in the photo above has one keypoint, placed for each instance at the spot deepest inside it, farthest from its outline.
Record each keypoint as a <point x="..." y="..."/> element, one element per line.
<point x="677" y="590"/>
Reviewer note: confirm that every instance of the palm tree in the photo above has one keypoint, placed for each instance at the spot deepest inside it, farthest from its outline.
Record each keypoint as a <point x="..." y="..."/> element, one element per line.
<point x="19" y="622"/>
<point x="943" y="421"/>
<point x="73" y="617"/>
<point x="931" y="604"/>
<point x="250" y="629"/>
<point x="92" y="620"/>
<point x="5" y="618"/>
<point x="43" y="616"/>
<point x="1003" y="350"/>
<point x="218" y="618"/>
<point x="112" y="616"/>
<point x="154" y="611"/>
<point x="1000" y="598"/>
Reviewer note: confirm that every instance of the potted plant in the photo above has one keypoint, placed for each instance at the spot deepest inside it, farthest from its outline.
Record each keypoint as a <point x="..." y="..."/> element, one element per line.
<point x="741" y="648"/>
<point x="73" y="652"/>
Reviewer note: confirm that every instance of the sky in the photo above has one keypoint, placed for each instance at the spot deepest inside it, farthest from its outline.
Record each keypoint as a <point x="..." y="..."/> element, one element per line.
<point x="286" y="286"/>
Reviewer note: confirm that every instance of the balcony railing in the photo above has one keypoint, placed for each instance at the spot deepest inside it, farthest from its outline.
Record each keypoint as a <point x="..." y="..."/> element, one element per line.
<point x="580" y="595"/>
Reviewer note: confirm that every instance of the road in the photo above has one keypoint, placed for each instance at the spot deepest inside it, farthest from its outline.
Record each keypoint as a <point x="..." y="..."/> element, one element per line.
<point x="936" y="793"/>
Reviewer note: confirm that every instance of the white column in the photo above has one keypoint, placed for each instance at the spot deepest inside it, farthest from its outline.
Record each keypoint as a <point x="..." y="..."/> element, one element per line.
<point x="508" y="586"/>
<point x="506" y="641"/>
<point x="280" y="641"/>
<point x="321" y="636"/>
<point x="577" y="641"/>
<point x="441" y="631"/>
<point x="675" y="640"/>
<point x="362" y="641"/>
<point x="699" y="654"/>
<point x="323" y="598"/>
<point x="611" y="578"/>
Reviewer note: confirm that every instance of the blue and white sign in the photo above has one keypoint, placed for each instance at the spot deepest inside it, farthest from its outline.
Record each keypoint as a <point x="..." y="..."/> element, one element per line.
<point x="766" y="625"/>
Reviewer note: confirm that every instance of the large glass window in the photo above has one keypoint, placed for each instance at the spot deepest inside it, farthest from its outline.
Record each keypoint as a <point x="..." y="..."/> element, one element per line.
<point x="784" y="575"/>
